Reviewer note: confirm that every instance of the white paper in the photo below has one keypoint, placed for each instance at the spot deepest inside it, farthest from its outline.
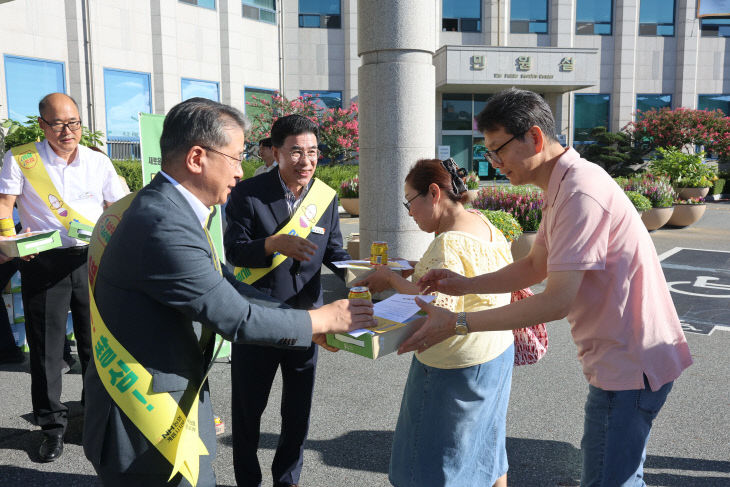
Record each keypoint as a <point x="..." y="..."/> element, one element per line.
<point x="395" y="264"/>
<point x="399" y="307"/>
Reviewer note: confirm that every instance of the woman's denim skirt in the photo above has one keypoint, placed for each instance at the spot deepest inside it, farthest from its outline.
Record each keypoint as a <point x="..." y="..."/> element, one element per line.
<point x="451" y="426"/>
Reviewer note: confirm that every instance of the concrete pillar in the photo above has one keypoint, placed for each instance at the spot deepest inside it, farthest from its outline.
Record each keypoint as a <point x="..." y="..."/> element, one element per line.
<point x="688" y="45"/>
<point x="396" y="42"/>
<point x="352" y="61"/>
<point x="165" y="77"/>
<point x="623" y="96"/>
<point x="231" y="53"/>
<point x="561" y="23"/>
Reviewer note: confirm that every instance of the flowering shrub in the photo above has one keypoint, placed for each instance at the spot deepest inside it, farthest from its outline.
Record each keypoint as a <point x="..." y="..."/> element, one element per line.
<point x="472" y="181"/>
<point x="505" y="223"/>
<point x="350" y="188"/>
<point x="640" y="202"/>
<point x="524" y="203"/>
<point x="338" y="128"/>
<point x="690" y="201"/>
<point x="684" y="170"/>
<point x="656" y="188"/>
<point x="683" y="128"/>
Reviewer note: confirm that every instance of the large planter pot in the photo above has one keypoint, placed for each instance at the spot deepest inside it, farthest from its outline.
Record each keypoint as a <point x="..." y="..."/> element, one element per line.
<point x="687" y="193"/>
<point x="656" y="217"/>
<point x="351" y="205"/>
<point x="521" y="247"/>
<point x="684" y="215"/>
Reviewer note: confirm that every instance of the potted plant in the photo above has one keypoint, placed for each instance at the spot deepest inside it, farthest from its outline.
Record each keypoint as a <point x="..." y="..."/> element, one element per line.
<point x="350" y="195"/>
<point x="522" y="202"/>
<point x="687" y="211"/>
<point x="505" y="223"/>
<point x="472" y="185"/>
<point x="640" y="202"/>
<point x="658" y="190"/>
<point x="690" y="175"/>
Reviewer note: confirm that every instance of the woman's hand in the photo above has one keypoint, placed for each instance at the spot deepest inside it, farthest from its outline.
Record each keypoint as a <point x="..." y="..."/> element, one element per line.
<point x="378" y="280"/>
<point x="443" y="281"/>
<point x="435" y="328"/>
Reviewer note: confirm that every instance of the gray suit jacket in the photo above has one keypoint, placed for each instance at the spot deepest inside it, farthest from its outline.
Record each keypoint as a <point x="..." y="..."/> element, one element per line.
<point x="156" y="278"/>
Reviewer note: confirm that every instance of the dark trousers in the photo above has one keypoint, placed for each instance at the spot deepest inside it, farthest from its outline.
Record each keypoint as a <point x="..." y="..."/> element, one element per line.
<point x="53" y="282"/>
<point x="253" y="371"/>
<point x="7" y="342"/>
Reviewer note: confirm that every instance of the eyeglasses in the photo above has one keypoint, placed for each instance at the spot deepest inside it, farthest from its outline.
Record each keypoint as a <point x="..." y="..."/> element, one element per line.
<point x="239" y="159"/>
<point x="492" y="155"/>
<point x="407" y="204"/>
<point x="311" y="154"/>
<point x="58" y="127"/>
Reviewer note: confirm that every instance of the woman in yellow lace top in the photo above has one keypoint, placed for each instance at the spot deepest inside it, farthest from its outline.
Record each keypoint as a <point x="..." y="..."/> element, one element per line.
<point x="451" y="426"/>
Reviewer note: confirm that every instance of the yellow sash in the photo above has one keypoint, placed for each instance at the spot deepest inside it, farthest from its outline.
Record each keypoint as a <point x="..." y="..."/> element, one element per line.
<point x="173" y="431"/>
<point x="308" y="214"/>
<point x="30" y="162"/>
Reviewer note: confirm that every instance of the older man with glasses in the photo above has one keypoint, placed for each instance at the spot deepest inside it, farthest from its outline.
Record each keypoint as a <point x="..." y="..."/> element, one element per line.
<point x="53" y="183"/>
<point x="282" y="226"/>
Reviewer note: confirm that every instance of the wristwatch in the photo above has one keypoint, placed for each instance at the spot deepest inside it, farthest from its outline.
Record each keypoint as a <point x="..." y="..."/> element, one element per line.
<point x="461" y="328"/>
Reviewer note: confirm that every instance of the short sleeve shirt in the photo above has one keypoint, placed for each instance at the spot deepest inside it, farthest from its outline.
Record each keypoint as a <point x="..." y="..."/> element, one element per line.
<point x="623" y="320"/>
<point x="84" y="184"/>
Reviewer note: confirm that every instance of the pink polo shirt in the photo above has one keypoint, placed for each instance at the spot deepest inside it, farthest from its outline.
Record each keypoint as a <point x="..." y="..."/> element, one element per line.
<point x="623" y="319"/>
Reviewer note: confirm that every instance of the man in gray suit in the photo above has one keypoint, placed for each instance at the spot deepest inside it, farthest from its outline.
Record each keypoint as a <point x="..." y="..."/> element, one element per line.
<point x="159" y="274"/>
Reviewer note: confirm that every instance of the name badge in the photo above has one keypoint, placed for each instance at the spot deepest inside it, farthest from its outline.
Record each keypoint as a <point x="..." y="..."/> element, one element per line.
<point x="318" y="230"/>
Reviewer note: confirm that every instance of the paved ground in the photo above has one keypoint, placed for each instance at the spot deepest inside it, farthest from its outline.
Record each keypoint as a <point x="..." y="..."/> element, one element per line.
<point x="357" y="400"/>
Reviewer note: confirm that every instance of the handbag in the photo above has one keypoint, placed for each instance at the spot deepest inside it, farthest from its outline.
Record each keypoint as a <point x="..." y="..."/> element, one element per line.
<point x="531" y="342"/>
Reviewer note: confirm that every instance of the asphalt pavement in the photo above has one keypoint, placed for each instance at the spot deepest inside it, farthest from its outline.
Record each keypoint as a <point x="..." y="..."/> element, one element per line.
<point x="356" y="405"/>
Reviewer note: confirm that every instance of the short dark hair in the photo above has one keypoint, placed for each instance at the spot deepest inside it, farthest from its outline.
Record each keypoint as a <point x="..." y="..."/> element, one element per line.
<point x="197" y="121"/>
<point x="427" y="171"/>
<point x="43" y="104"/>
<point x="517" y="111"/>
<point x="292" y="125"/>
<point x="265" y="142"/>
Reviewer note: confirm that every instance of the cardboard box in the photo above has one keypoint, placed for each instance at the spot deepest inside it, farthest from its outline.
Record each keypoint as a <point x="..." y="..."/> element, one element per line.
<point x="8" y="302"/>
<point x="376" y="342"/>
<point x="18" y="310"/>
<point x="80" y="231"/>
<point x="30" y="243"/>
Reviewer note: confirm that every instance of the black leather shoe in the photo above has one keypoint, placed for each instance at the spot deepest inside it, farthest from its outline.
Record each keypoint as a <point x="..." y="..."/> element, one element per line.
<point x="51" y="447"/>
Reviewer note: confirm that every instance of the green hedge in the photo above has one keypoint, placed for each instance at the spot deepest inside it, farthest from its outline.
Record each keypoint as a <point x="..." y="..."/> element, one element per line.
<point x="721" y="183"/>
<point x="131" y="171"/>
<point x="333" y="175"/>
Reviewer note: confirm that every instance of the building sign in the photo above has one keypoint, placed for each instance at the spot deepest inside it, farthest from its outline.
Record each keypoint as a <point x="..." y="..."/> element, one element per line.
<point x="523" y="63"/>
<point x="478" y="63"/>
<point x="566" y="64"/>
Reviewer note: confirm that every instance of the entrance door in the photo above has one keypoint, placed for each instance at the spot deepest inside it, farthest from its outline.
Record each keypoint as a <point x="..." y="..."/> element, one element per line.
<point x="481" y="165"/>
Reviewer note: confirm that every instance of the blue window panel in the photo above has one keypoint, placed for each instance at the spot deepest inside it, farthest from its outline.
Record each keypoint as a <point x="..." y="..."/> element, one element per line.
<point x="594" y="17"/>
<point x="656" y="18"/>
<point x="27" y="81"/>
<point x="201" y="3"/>
<point x="457" y="9"/>
<point x="191" y="88"/>
<point x="126" y="94"/>
<point x="324" y="99"/>
<point x="528" y="16"/>
<point x="328" y="7"/>
<point x="646" y="102"/>
<point x="713" y="102"/>
<point x="590" y="111"/>
<point x="261" y="10"/>
<point x="715" y="27"/>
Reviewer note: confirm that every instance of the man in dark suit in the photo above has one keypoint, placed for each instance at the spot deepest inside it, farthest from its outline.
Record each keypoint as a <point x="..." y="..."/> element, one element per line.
<point x="159" y="273"/>
<point x="257" y="215"/>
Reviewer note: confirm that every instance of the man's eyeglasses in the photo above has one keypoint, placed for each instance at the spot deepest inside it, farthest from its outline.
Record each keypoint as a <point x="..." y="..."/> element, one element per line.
<point x="58" y="127"/>
<point x="297" y="154"/>
<point x="407" y="204"/>
<point x="239" y="159"/>
<point x="492" y="155"/>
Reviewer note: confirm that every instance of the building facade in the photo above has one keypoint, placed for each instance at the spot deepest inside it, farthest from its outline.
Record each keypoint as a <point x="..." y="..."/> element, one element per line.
<point x="596" y="62"/>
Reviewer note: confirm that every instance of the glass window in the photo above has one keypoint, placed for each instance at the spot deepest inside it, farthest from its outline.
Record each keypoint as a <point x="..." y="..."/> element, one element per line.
<point x="324" y="99"/>
<point x="593" y="17"/>
<point x="591" y="111"/>
<point x="655" y="18"/>
<point x="456" y="111"/>
<point x="27" y="81"/>
<point x="190" y="88"/>
<point x="647" y="102"/>
<point x="528" y="16"/>
<point x="713" y="102"/>
<point x="323" y="14"/>
<point x="461" y="16"/>
<point x="201" y="3"/>
<point x="460" y="147"/>
<point x="252" y="94"/>
<point x="715" y="26"/>
<point x="263" y="10"/>
<point x="126" y="94"/>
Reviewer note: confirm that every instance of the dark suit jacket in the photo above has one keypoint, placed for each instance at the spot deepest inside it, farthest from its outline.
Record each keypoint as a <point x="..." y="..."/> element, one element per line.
<point x="155" y="279"/>
<point x="257" y="209"/>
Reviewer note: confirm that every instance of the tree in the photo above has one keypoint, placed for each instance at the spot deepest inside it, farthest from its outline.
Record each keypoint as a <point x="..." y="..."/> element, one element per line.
<point x="338" y="127"/>
<point x="615" y="152"/>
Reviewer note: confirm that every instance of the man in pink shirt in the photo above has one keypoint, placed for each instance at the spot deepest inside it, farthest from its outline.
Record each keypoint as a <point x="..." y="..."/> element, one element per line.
<point x="603" y="274"/>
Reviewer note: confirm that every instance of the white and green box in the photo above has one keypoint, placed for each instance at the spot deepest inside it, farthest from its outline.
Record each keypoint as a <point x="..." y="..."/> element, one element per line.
<point x="30" y="243"/>
<point x="18" y="310"/>
<point x="373" y="342"/>
<point x="80" y="231"/>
